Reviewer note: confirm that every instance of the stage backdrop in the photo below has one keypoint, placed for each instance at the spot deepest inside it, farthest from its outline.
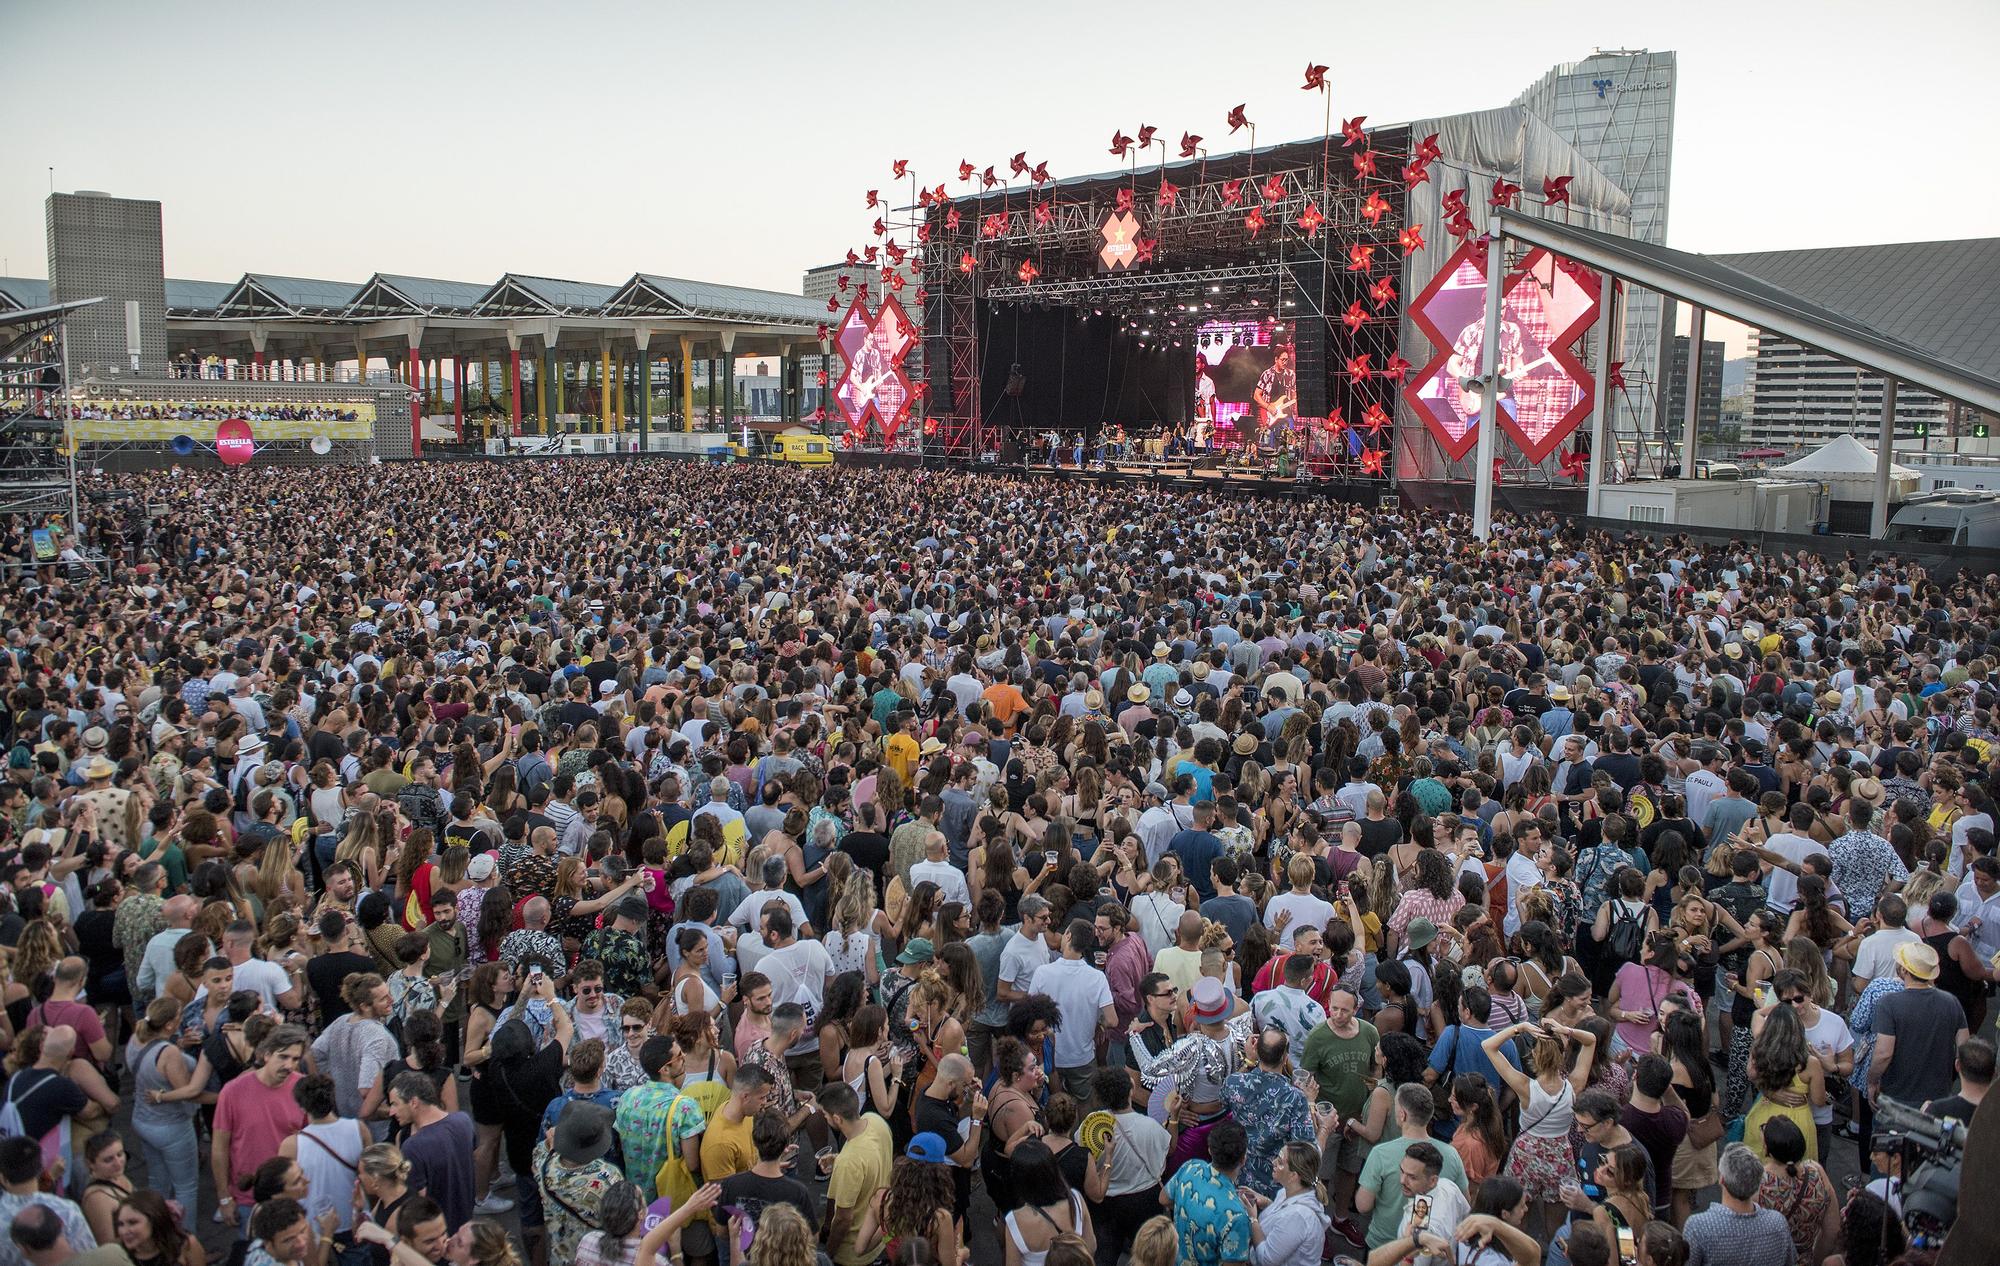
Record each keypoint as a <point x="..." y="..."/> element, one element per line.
<point x="1081" y="372"/>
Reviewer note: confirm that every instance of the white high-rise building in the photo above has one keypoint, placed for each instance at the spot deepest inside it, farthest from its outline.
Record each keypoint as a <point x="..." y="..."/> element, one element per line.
<point x="1617" y="108"/>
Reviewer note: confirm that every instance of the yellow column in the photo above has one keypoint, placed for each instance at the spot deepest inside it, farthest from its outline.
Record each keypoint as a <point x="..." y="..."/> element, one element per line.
<point x="562" y="372"/>
<point x="542" y="391"/>
<point x="687" y="383"/>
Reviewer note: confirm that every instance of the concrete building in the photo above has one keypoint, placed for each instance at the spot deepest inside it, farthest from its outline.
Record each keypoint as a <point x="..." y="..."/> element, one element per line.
<point x="1708" y="409"/>
<point x="1943" y="297"/>
<point x="1617" y="108"/>
<point x="101" y="247"/>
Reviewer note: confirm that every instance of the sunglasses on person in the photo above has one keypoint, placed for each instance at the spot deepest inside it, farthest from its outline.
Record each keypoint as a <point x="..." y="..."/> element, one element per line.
<point x="1796" y="1000"/>
<point x="633" y="1028"/>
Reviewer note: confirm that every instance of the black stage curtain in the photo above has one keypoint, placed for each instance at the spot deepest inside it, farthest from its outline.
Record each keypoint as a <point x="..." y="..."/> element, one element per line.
<point x="1080" y="372"/>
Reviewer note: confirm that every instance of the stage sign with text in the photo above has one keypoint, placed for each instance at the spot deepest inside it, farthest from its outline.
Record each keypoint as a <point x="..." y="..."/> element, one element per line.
<point x="1120" y="234"/>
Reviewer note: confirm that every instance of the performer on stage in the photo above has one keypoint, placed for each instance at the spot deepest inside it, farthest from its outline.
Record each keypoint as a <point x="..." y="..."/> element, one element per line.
<point x="1277" y="398"/>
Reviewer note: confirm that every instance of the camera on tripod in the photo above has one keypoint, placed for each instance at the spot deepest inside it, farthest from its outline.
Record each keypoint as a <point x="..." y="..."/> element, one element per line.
<point x="1930" y="1190"/>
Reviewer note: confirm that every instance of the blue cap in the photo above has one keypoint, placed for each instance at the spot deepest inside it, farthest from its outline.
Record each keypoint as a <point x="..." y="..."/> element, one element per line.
<point x="928" y="1147"/>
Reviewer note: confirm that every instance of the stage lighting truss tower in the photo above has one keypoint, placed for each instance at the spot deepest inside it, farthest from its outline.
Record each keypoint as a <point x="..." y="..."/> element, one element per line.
<point x="37" y="475"/>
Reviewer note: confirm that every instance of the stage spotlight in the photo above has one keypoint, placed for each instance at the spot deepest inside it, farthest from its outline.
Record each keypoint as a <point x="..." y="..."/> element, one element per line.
<point x="1215" y="290"/>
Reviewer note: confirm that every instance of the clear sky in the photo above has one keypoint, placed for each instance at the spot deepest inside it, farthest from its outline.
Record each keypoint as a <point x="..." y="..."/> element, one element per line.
<point x="595" y="138"/>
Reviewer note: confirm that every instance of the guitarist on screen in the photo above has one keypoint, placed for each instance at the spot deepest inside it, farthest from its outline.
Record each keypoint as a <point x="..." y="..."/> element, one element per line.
<point x="1277" y="397"/>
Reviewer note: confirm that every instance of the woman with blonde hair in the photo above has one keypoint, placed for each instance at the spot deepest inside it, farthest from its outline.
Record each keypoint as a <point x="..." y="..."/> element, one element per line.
<point x="362" y="845"/>
<point x="35" y="955"/>
<point x="851" y="938"/>
<point x="1543" y="1157"/>
<point x="782" y="1237"/>
<point x="1156" y="1244"/>
<point x="274" y="878"/>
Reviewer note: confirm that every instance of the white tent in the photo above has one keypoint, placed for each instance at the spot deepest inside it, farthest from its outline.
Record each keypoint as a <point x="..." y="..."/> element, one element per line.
<point x="1847" y="467"/>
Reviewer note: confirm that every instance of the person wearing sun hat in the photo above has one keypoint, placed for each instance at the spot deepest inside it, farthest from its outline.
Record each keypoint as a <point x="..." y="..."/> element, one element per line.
<point x="573" y="1175"/>
<point x="1199" y="1064"/>
<point x="1917" y="1030"/>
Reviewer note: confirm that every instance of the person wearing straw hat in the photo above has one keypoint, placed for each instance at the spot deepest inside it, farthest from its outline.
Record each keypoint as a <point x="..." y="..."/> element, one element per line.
<point x="1199" y="1064"/>
<point x="1917" y="1031"/>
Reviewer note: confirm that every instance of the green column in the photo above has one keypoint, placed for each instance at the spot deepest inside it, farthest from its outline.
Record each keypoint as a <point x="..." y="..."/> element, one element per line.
<point x="729" y="394"/>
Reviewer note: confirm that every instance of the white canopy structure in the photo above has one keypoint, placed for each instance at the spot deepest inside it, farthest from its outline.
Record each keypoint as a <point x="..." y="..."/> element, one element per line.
<point x="1848" y="468"/>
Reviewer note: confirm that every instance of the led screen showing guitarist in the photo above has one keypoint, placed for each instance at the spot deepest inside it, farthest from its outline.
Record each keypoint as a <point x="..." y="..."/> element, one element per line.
<point x="1277" y="398"/>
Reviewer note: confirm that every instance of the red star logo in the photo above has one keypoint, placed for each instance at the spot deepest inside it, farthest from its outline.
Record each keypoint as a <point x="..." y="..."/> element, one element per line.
<point x="1146" y="131"/>
<point x="1018" y="163"/>
<point x="1120" y="233"/>
<point x="879" y="228"/>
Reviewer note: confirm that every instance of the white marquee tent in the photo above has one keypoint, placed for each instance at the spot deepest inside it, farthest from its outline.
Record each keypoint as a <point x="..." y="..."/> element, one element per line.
<point x="1847" y="467"/>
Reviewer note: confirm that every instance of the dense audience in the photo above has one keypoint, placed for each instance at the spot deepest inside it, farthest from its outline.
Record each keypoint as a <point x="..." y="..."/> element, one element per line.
<point x="573" y="862"/>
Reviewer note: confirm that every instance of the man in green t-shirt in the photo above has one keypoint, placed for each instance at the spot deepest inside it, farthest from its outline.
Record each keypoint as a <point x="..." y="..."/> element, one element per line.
<point x="1380" y="1194"/>
<point x="1340" y="1054"/>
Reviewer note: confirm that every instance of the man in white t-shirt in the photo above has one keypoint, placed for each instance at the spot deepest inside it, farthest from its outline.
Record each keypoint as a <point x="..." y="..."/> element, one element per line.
<point x="1523" y="873"/>
<point x="799" y="972"/>
<point x="1300" y="908"/>
<point x="750" y="910"/>
<point x="1431" y="1208"/>
<point x="276" y="988"/>
<point x="1026" y="953"/>
<point x="1786" y="851"/>
<point x="1083" y="995"/>
<point x="1877" y="954"/>
<point x="937" y="868"/>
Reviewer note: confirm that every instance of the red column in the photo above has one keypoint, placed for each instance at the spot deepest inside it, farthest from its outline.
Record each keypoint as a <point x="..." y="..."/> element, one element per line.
<point x="257" y="359"/>
<point x="514" y="375"/>
<point x="416" y="406"/>
<point x="458" y="396"/>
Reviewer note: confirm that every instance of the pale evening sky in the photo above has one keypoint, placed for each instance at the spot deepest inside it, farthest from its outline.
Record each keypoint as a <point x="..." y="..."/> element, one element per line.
<point x="596" y="138"/>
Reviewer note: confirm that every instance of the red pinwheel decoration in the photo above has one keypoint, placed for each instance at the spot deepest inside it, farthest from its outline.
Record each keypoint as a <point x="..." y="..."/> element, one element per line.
<point x="823" y="331"/>
<point x="1124" y="200"/>
<point x="1315" y="78"/>
<point x="937" y="194"/>
<point x="1427" y="149"/>
<point x="894" y="252"/>
<point x="930" y="426"/>
<point x="879" y="228"/>
<point x="1040" y="174"/>
<point x="1364" y="163"/>
<point x="1460" y="224"/>
<point x="1375" y="420"/>
<point x="833" y="303"/>
<point x="874" y="199"/>
<point x="1018" y="163"/>
<point x="1397" y="370"/>
<point x="861" y="291"/>
<point x="1232" y="192"/>
<point x="1382" y="293"/>
<point x="1360" y="258"/>
<point x="1575" y="465"/>
<point x="952" y="219"/>
<point x="1311" y="219"/>
<point x="1355" y="317"/>
<point x="993" y="225"/>
<point x="923" y="296"/>
<point x="923" y="232"/>
<point x="1254" y="221"/>
<point x="893" y="280"/>
<point x="1351" y="133"/>
<point x="1415" y="174"/>
<point x="1358" y="368"/>
<point x="1237" y="119"/>
<point x="1274" y="188"/>
<point x="821" y="377"/>
<point x="900" y="168"/>
<point x="842" y="282"/>
<point x="925" y="198"/>
<point x="868" y="254"/>
<point x="852" y="258"/>
<point x="966" y="263"/>
<point x="1143" y="248"/>
<point x="987" y="179"/>
<point x="1504" y="192"/>
<point x="964" y="170"/>
<point x="1027" y="272"/>
<point x="1169" y="191"/>
<point x="1146" y="131"/>
<point x="1371" y="461"/>
<point x="1555" y="189"/>
<point x="1411" y="239"/>
<point x="1616" y="375"/>
<point x="1120" y="143"/>
<point x="1499" y="468"/>
<point x="1044" y="213"/>
<point x="1374" y="209"/>
<point x="1453" y="201"/>
<point x="1189" y="144"/>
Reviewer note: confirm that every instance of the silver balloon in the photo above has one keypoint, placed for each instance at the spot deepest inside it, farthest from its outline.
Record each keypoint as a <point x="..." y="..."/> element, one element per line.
<point x="322" y="445"/>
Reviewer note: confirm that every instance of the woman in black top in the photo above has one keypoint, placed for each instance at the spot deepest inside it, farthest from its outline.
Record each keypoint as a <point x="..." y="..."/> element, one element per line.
<point x="105" y="984"/>
<point x="150" y="1234"/>
<point x="423" y="1052"/>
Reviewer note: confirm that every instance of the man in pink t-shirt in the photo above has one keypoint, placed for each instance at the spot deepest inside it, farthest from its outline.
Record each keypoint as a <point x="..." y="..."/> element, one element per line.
<point x="63" y="1008"/>
<point x="254" y="1113"/>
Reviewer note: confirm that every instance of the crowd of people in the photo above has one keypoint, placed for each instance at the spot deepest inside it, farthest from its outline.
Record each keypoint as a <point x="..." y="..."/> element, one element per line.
<point x="621" y="863"/>
<point x="190" y="411"/>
